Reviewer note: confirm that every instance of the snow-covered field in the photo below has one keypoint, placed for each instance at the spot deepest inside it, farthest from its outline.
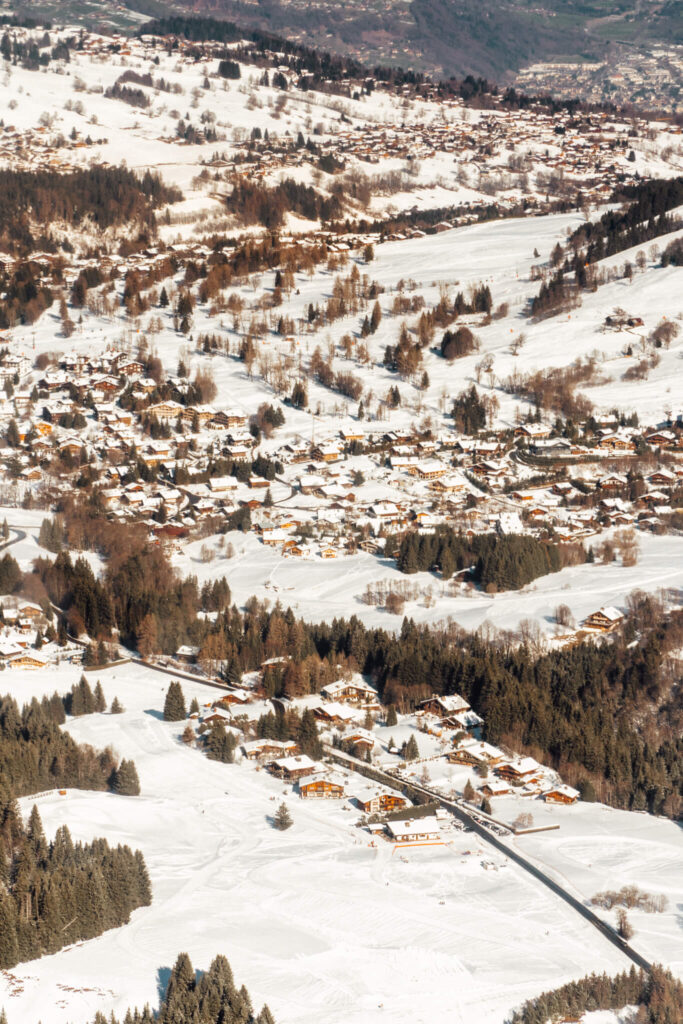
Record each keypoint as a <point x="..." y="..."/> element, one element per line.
<point x="315" y="921"/>
<point x="320" y="590"/>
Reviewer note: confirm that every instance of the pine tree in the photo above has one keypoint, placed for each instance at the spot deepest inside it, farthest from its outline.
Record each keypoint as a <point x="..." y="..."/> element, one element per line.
<point x="486" y="805"/>
<point x="391" y="718"/>
<point x="194" y="706"/>
<point x="283" y="819"/>
<point x="468" y="792"/>
<point x="126" y="781"/>
<point x="116" y="707"/>
<point x="100" y="702"/>
<point x="308" y="738"/>
<point x="411" y="750"/>
<point x="174" y="706"/>
<point x="221" y="744"/>
<point x="5" y="529"/>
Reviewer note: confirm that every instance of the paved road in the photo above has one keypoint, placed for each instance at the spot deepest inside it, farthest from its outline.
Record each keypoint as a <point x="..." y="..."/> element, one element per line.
<point x="484" y="833"/>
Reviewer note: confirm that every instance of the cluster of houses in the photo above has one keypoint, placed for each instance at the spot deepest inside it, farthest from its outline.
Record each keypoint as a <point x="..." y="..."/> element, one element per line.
<point x="502" y="773"/>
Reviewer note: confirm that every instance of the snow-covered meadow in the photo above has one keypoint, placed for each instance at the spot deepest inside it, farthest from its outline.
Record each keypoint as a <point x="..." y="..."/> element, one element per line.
<point x="315" y="921"/>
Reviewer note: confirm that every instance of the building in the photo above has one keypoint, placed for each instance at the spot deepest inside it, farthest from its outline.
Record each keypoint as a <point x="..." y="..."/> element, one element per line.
<point x="444" y="706"/>
<point x="476" y="754"/>
<point x="422" y="830"/>
<point x="561" y="795"/>
<point x="255" y="750"/>
<point x="293" y="768"/>
<point x="374" y="801"/>
<point x="605" y="619"/>
<point x="26" y="660"/>
<point x="356" y="691"/>
<point x="519" y="771"/>
<point x="321" y="787"/>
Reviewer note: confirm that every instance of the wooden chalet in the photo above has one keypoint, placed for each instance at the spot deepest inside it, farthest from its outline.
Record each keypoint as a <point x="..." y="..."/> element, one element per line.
<point x="519" y="771"/>
<point x="333" y="714"/>
<point x="605" y="619"/>
<point x="443" y="706"/>
<point x="256" y="750"/>
<point x="321" y="787"/>
<point x="495" y="787"/>
<point x="233" y="697"/>
<point x="561" y="795"/>
<point x="293" y="768"/>
<point x="26" y="660"/>
<point x="355" y="691"/>
<point x="373" y="802"/>
<point x="476" y="754"/>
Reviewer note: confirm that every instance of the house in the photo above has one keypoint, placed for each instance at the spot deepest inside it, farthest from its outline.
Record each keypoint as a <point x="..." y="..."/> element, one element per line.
<point x="423" y="830"/>
<point x="495" y="787"/>
<point x="617" y="443"/>
<point x="321" y="787"/>
<point x="348" y="436"/>
<point x="661" y="438"/>
<point x="327" y="452"/>
<point x="234" y="697"/>
<point x="26" y="660"/>
<point x="27" y="610"/>
<point x="274" y="537"/>
<point x="552" y="446"/>
<point x="532" y="431"/>
<point x="255" y="750"/>
<point x="355" y="691"/>
<point x="605" y="619"/>
<point x="374" y="801"/>
<point x="431" y="469"/>
<point x="221" y="484"/>
<point x="612" y="482"/>
<point x="663" y="478"/>
<point x="165" y="411"/>
<point x="561" y="795"/>
<point x="448" y="485"/>
<point x="443" y="706"/>
<point x="361" y="738"/>
<point x="293" y="768"/>
<point x="334" y="714"/>
<point x="187" y="654"/>
<point x="520" y="770"/>
<point x="476" y="754"/>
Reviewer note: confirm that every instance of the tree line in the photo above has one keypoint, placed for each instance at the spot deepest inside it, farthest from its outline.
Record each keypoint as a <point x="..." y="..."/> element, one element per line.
<point x="57" y="893"/>
<point x="35" y="754"/>
<point x="658" y="996"/>
<point x="500" y="562"/>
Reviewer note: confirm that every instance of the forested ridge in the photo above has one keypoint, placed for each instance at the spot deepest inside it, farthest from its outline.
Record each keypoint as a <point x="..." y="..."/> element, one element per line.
<point x="646" y="216"/>
<point x="107" y="196"/>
